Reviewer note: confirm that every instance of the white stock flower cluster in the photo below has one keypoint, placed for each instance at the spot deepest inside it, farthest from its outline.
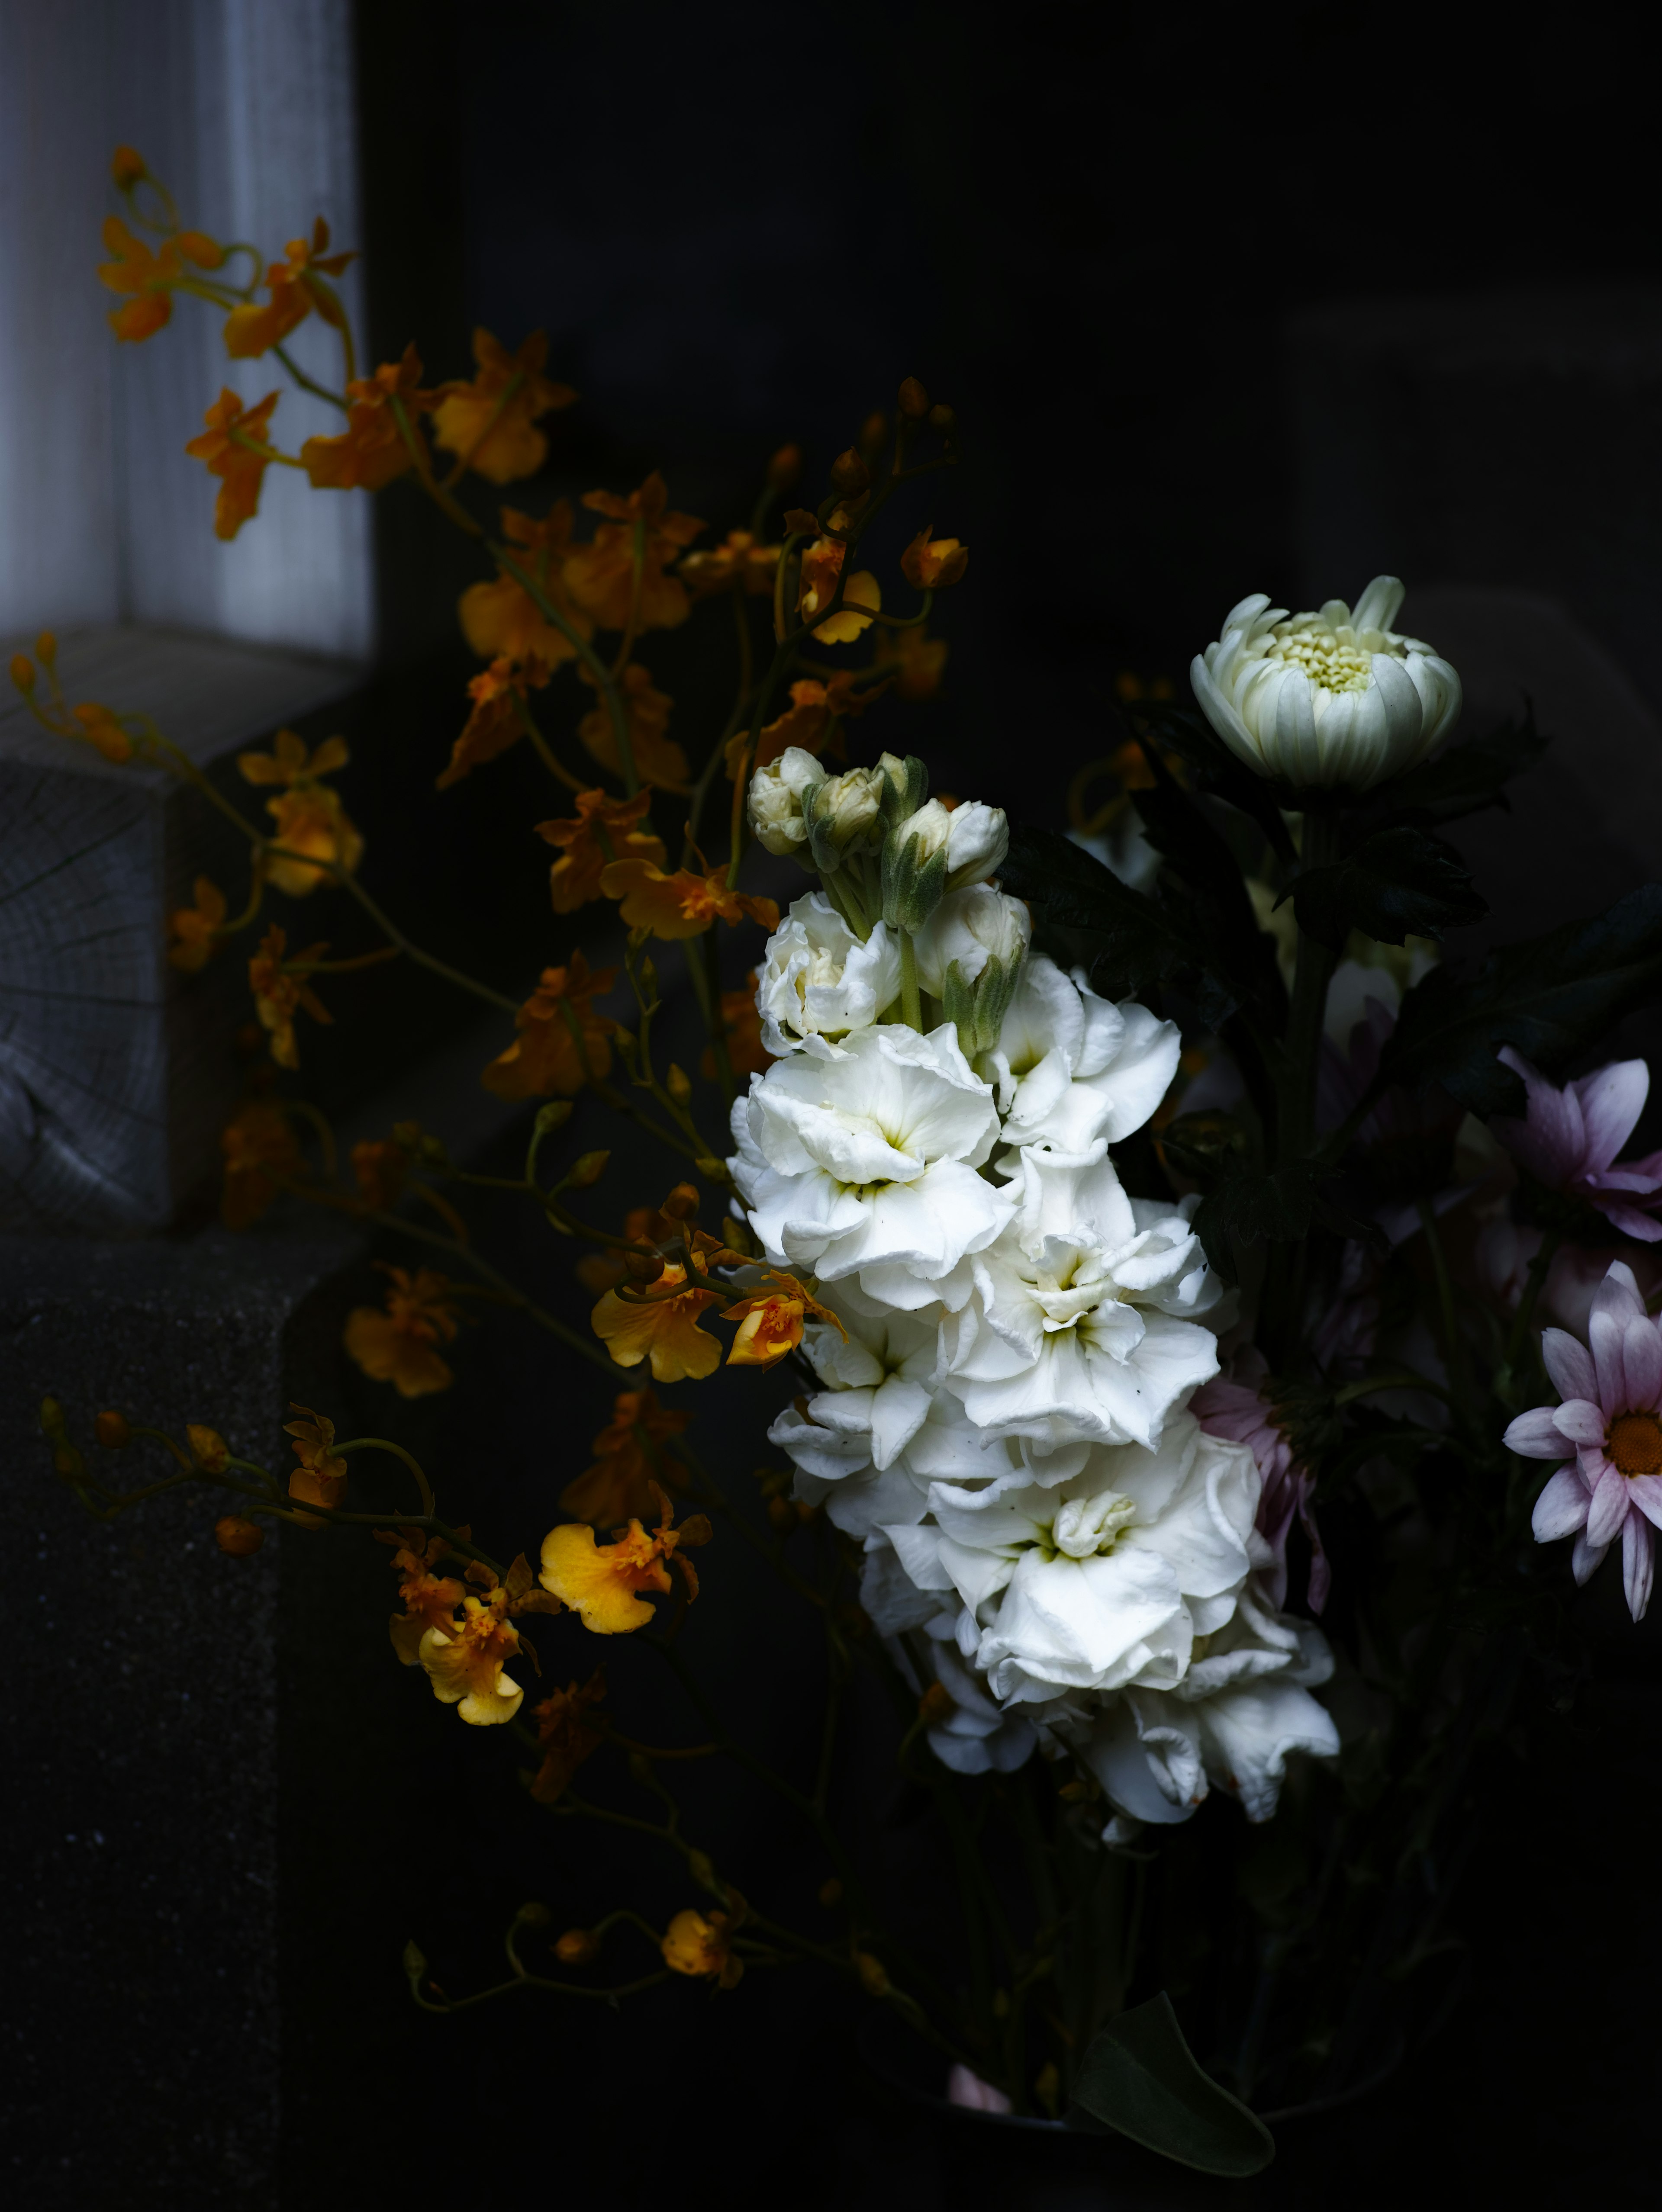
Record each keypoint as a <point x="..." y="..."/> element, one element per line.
<point x="1004" y="1423"/>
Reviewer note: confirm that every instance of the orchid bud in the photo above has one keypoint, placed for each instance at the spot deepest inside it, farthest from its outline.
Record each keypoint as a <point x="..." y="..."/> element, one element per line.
<point x="208" y="1448"/>
<point x="586" y="1171"/>
<point x="850" y="476"/>
<point x="238" y="1539"/>
<point x="785" y="467"/>
<point x="112" y="1432"/>
<point x="554" y="1115"/>
<point x="533" y="1916"/>
<point x="578" y="1947"/>
<point x="643" y="1266"/>
<point x="873" y="432"/>
<point x="944" y="420"/>
<point x="778" y="800"/>
<point x="936" y="1705"/>
<point x="914" y="400"/>
<point x="22" y="673"/>
<point x="682" y="1204"/>
<point x="873" y="1979"/>
<point x="678" y="1083"/>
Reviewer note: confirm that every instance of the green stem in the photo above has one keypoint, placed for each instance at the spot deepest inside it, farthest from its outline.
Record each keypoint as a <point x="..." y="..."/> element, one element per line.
<point x="616" y="712"/>
<point x="911" y="1005"/>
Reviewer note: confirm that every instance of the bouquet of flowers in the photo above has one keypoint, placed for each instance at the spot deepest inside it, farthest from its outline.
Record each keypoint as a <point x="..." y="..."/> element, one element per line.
<point x="1156" y="1240"/>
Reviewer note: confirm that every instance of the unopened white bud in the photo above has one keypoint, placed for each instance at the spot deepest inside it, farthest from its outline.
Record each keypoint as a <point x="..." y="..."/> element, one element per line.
<point x="978" y="842"/>
<point x="843" y="814"/>
<point x="970" y="928"/>
<point x="775" y="798"/>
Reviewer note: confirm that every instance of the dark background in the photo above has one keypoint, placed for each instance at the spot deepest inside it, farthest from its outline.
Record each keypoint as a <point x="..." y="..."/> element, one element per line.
<point x="1103" y="236"/>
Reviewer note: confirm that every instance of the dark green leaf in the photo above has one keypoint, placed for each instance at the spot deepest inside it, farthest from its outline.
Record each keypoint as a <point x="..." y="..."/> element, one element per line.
<point x="1140" y="2077"/>
<point x="1222" y="910"/>
<point x="1551" y="998"/>
<point x="1398" y="884"/>
<point x="1249" y="1204"/>
<point x="1145" y="941"/>
<point x="1470" y="776"/>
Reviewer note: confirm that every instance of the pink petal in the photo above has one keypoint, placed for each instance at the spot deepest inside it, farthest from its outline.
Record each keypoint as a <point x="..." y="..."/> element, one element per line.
<point x="1627" y="1218"/>
<point x="1641" y="1356"/>
<point x="1615" y="1302"/>
<point x="1638" y="1563"/>
<point x="1580" y="1421"/>
<point x="1569" y="1363"/>
<point x="1586" y="1559"/>
<point x="1611" y="1100"/>
<point x="1536" y="1435"/>
<point x="1631" y="1177"/>
<point x="1608" y="1509"/>
<point x="1560" y="1508"/>
<point x="1552" y="1141"/>
<point x="1646" y="1492"/>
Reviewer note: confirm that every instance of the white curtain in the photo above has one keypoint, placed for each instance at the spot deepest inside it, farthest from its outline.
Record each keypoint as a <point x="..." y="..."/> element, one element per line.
<point x="245" y="109"/>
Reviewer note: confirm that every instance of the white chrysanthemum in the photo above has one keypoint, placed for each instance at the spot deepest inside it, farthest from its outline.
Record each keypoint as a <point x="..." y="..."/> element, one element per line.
<point x="864" y="1165"/>
<point x="1073" y="1070"/>
<point x="1084" y="1325"/>
<point x="1242" y="1708"/>
<point x="1334" y="698"/>
<point x="1104" y="1580"/>
<point x="818" y="981"/>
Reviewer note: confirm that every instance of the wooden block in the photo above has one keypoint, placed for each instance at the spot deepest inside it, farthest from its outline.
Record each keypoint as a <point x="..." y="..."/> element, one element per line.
<point x="116" y="1071"/>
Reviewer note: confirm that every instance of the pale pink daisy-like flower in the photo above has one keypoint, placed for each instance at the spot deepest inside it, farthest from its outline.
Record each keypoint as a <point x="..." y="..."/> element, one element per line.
<point x="1236" y="1409"/>
<point x="1568" y="1140"/>
<point x="1611" y="1419"/>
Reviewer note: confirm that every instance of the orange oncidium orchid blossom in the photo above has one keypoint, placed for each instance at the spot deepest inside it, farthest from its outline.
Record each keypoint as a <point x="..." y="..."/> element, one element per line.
<point x="563" y="1043"/>
<point x="701" y="1943"/>
<point x="682" y="904"/>
<point x="309" y="815"/>
<point x="932" y="563"/>
<point x="490" y="424"/>
<point x="916" y="661"/>
<point x="196" y="928"/>
<point x="604" y="830"/>
<point x="429" y="1600"/>
<point x="601" y="575"/>
<point x="501" y="620"/>
<point x="90" y="724"/>
<point x="659" y="1320"/>
<point x="642" y="1225"/>
<point x="822" y="566"/>
<point x="262" y="1156"/>
<point x="320" y="1478"/>
<point x="771" y="1319"/>
<point x="373" y="449"/>
<point x="603" y="1582"/>
<point x="235" y="447"/>
<point x="635" y="1448"/>
<point x="399" y="1346"/>
<point x="379" y="1165"/>
<point x="151" y="278"/>
<point x="741" y="561"/>
<point x="499" y="716"/>
<point x="808" y="723"/>
<point x="464" y="1661"/>
<point x="567" y="1737"/>
<point x="280" y="993"/>
<point x="297" y="289"/>
<point x="658" y="759"/>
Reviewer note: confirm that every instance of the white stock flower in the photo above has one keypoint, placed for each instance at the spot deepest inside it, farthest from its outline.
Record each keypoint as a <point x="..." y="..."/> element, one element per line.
<point x="774" y="802"/>
<point x="1241" y="1709"/>
<point x="1098" y="1581"/>
<point x="971" y="926"/>
<point x="864" y="1165"/>
<point x="1073" y="1069"/>
<point x="1082" y="1325"/>
<point x="976" y="1737"/>
<point x="1327" y="699"/>
<point x="819" y="981"/>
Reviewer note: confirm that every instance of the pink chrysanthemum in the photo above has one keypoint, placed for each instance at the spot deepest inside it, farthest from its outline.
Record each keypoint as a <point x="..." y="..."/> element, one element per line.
<point x="1611" y="1419"/>
<point x="1568" y="1140"/>
<point x="1237" y="1409"/>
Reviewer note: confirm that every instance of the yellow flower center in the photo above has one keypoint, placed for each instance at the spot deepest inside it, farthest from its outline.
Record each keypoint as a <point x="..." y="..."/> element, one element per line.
<point x="1634" y="1443"/>
<point x="1320" y="656"/>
